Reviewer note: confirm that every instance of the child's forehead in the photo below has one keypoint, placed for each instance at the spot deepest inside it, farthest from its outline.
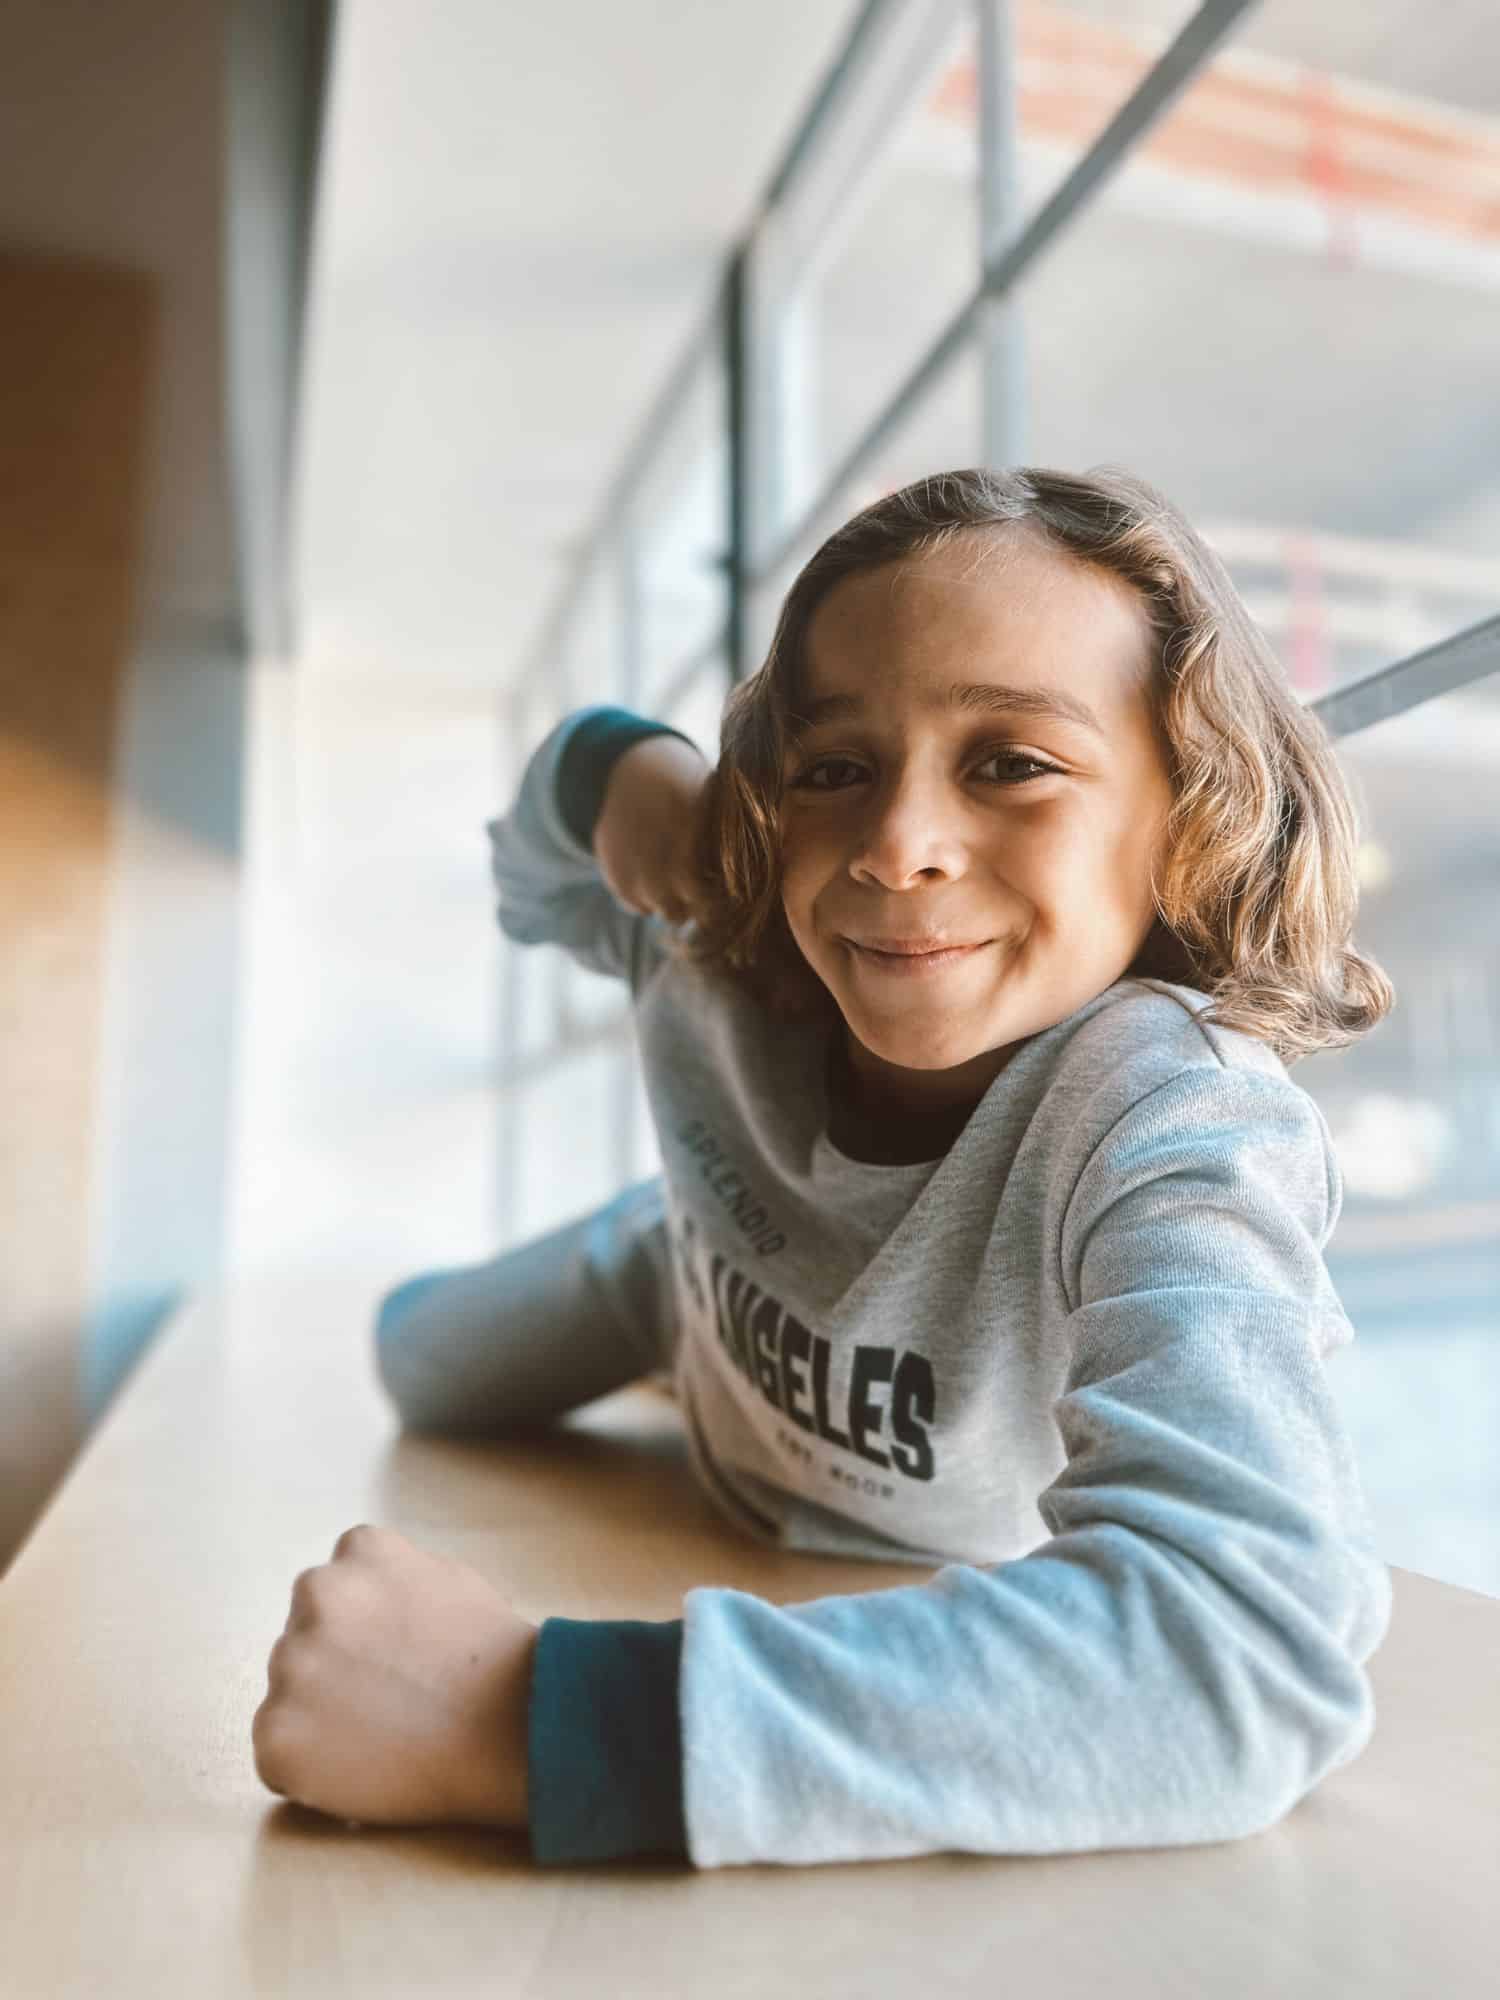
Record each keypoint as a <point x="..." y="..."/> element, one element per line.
<point x="1009" y="567"/>
<point x="983" y="598"/>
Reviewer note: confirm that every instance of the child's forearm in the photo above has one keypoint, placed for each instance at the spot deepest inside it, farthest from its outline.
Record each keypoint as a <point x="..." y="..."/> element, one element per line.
<point x="594" y="747"/>
<point x="646" y="834"/>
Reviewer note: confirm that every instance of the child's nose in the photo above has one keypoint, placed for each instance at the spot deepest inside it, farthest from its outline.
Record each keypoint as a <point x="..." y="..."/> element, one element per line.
<point x="912" y="828"/>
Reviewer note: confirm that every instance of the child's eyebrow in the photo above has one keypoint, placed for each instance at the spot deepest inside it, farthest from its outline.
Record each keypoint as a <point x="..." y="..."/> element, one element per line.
<point x="986" y="697"/>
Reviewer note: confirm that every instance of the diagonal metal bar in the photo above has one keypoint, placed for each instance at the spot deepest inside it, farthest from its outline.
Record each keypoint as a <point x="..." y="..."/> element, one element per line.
<point x="707" y="330"/>
<point x="1469" y="656"/>
<point x="1178" y="65"/>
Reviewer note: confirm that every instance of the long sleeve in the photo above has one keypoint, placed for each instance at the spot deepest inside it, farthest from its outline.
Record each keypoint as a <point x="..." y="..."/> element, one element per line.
<point x="549" y="1324"/>
<point x="541" y="857"/>
<point x="604" y="1740"/>
<point x="1182" y="1661"/>
<point x="557" y="1322"/>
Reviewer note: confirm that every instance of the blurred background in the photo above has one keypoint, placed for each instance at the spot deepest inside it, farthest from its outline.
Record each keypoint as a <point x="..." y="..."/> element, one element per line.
<point x="381" y="383"/>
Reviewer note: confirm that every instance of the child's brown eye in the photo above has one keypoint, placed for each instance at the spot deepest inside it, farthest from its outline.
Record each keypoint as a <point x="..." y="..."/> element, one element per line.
<point x="1035" y="769"/>
<point x="806" y="777"/>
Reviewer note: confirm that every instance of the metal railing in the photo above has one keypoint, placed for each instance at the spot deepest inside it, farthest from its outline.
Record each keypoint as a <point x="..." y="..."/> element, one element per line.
<point x="759" y="545"/>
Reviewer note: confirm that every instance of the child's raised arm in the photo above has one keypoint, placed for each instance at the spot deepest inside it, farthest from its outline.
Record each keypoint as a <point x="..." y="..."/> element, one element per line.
<point x="596" y="846"/>
<point x="546" y="1326"/>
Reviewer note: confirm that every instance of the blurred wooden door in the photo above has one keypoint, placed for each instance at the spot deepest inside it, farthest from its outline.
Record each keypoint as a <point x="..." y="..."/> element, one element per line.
<point x="76" y="346"/>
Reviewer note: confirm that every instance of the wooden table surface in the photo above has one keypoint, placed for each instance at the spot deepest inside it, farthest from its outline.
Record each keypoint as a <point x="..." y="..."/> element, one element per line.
<point x="141" y="1855"/>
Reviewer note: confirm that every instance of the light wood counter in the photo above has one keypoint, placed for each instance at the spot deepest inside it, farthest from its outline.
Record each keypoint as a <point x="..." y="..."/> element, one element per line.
<point x="141" y="1855"/>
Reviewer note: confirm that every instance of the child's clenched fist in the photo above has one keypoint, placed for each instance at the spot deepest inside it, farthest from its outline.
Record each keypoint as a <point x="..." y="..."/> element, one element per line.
<point x="399" y="1690"/>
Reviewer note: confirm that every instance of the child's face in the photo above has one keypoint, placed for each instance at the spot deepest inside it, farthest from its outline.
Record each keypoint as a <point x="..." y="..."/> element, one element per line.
<point x="920" y="828"/>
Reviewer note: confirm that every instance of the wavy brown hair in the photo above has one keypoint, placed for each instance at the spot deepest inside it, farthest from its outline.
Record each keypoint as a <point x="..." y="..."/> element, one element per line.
<point x="1259" y="892"/>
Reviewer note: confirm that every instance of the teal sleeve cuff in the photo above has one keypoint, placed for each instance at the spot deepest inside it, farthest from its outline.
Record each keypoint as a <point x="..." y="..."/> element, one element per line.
<point x="604" y="1740"/>
<point x="588" y="757"/>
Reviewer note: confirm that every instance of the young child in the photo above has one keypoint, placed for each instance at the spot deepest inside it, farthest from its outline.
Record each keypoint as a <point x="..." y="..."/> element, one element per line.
<point x="989" y="1234"/>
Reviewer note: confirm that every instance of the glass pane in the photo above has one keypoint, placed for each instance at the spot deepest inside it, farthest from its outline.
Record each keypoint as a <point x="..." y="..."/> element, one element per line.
<point x="1446" y="53"/>
<point x="1414" y="1108"/>
<point x="646" y="1153"/>
<point x="1300" y="344"/>
<point x="590" y="662"/>
<point x="1074" y="67"/>
<point x="566" y="1140"/>
<point x="941" y="433"/>
<point x="682" y="512"/>
<point x="590" y="999"/>
<point x="696" y="706"/>
<point x="1341" y="104"/>
<point x="886" y="262"/>
<point x="938" y="434"/>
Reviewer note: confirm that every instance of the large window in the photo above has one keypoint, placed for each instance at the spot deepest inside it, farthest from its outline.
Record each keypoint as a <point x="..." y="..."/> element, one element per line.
<point x="1252" y="253"/>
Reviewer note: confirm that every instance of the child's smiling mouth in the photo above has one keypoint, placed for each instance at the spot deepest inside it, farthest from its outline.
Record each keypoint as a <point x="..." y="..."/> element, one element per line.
<point x="914" y="964"/>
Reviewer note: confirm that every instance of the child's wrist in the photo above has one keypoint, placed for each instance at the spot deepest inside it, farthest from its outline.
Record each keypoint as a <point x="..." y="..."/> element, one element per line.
<point x="493" y="1783"/>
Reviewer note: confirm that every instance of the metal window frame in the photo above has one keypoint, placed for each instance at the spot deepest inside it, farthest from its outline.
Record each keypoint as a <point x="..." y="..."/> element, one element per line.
<point x="731" y="331"/>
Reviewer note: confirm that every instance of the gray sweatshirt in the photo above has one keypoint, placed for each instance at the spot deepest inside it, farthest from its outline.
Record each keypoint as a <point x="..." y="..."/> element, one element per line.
<point x="1077" y="1364"/>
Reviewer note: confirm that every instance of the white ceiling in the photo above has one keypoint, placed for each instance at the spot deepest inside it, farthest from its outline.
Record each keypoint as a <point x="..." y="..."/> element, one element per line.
<point x="524" y="213"/>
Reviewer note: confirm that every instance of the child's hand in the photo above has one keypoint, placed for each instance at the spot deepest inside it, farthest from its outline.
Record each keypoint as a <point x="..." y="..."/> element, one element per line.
<point x="646" y="835"/>
<point x="399" y="1690"/>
